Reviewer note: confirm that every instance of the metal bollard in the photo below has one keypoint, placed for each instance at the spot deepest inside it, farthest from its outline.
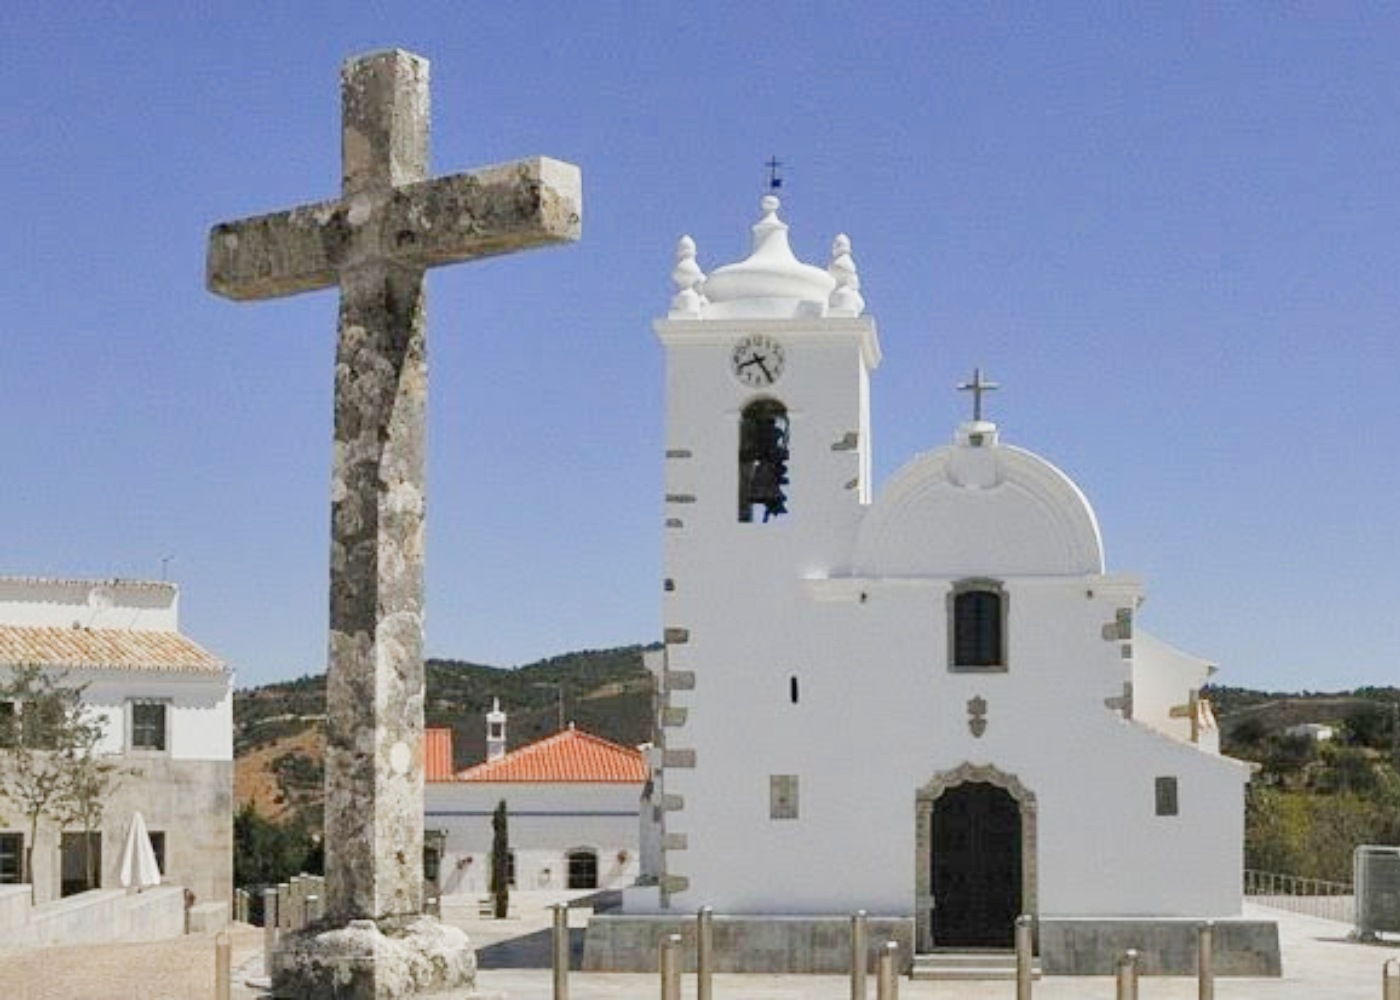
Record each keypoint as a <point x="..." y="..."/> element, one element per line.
<point x="561" y="951"/>
<point x="704" y="954"/>
<point x="1025" y="955"/>
<point x="671" y="967"/>
<point x="1205" y="960"/>
<point x="1128" y="975"/>
<point x="270" y="928"/>
<point x="223" y="966"/>
<point x="860" y="932"/>
<point x="1390" y="978"/>
<point x="887" y="972"/>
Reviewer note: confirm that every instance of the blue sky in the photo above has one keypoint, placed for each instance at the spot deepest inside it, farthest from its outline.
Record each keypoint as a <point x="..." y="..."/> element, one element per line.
<point x="1169" y="230"/>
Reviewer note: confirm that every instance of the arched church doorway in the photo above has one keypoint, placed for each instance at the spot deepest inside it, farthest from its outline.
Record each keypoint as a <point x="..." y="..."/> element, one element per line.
<point x="975" y="864"/>
<point x="975" y="870"/>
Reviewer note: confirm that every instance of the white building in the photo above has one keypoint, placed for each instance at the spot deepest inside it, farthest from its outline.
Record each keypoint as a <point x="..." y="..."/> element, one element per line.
<point x="166" y="705"/>
<point x="573" y="802"/>
<point x="930" y="702"/>
<point x="1313" y="732"/>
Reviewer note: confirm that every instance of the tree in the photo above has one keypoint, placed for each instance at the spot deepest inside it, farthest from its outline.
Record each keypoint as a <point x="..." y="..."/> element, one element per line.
<point x="1369" y="726"/>
<point x="500" y="862"/>
<point x="52" y="768"/>
<point x="90" y="781"/>
<point x="266" y="853"/>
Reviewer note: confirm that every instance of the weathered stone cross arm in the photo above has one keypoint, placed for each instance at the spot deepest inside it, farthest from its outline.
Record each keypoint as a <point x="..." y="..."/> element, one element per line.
<point x="480" y="213"/>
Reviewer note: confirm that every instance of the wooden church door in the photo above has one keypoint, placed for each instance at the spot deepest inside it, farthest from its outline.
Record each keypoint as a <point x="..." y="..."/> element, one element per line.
<point x="975" y="867"/>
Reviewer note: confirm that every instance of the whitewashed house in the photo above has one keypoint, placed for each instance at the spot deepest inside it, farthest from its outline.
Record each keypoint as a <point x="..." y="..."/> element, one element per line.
<point x="930" y="702"/>
<point x="1313" y="732"/>
<point x="573" y="802"/>
<point x="167" y="707"/>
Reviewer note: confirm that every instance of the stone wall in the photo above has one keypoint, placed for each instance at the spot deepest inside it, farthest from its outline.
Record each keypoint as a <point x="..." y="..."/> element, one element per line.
<point x="191" y="802"/>
<point x="1165" y="947"/>
<point x="97" y="917"/>
<point x="769" y="944"/>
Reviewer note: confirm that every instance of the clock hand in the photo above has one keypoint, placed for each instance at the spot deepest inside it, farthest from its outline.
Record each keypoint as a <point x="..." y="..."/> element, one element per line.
<point x="763" y="368"/>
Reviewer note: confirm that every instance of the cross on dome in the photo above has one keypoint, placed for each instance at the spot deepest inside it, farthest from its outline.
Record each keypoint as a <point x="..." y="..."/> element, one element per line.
<point x="977" y="387"/>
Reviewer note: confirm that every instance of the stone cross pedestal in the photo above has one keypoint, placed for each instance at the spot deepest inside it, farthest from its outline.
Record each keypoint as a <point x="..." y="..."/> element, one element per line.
<point x="390" y="224"/>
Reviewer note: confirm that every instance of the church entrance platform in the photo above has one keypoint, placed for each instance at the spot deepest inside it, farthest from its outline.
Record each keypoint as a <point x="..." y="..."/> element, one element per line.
<point x="1091" y="947"/>
<point x="795" y="944"/>
<point x="1319" y="963"/>
<point x="821" y="945"/>
<point x="784" y="944"/>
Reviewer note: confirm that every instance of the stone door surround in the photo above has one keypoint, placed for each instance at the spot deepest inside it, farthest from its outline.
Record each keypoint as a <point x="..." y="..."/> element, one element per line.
<point x="924" y="801"/>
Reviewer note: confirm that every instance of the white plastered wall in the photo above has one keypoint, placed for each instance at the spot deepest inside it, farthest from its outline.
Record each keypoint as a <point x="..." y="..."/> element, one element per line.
<point x="545" y="822"/>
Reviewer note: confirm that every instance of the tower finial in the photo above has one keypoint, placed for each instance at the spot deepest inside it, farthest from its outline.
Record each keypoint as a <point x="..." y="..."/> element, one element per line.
<point x="978" y="386"/>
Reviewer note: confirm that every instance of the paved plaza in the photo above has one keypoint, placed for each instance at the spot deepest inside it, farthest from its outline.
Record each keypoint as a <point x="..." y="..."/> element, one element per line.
<point x="1319" y="964"/>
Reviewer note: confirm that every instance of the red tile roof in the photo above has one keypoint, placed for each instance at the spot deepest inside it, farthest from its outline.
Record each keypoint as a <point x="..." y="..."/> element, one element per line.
<point x="570" y="756"/>
<point x="437" y="755"/>
<point x="104" y="649"/>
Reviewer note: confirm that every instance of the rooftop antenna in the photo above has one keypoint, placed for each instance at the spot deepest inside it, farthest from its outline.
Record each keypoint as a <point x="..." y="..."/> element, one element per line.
<point x="165" y="562"/>
<point x="774" y="181"/>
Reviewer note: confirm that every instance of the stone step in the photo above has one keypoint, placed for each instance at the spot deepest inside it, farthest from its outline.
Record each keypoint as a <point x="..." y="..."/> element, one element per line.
<point x="967" y="965"/>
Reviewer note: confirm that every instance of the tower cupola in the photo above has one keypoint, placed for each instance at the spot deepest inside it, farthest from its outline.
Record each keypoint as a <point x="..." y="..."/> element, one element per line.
<point x="770" y="283"/>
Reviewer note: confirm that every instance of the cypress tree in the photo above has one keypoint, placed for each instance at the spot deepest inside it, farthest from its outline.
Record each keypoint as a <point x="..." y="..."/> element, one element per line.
<point x="500" y="861"/>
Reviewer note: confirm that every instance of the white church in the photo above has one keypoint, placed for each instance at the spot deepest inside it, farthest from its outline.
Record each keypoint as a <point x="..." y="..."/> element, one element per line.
<point x="930" y="701"/>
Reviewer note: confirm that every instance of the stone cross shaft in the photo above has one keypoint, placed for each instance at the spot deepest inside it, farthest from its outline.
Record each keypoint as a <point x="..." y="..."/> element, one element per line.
<point x="376" y="241"/>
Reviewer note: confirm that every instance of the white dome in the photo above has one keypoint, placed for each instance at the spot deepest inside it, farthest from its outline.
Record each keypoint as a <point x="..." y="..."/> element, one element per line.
<point x="979" y="508"/>
<point x="771" y="281"/>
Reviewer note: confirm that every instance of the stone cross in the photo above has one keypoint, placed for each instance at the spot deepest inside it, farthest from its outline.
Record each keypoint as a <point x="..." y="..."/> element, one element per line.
<point x="978" y="387"/>
<point x="390" y="224"/>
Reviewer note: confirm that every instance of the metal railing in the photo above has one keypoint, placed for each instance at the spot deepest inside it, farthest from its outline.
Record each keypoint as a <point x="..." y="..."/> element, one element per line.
<point x="1312" y="897"/>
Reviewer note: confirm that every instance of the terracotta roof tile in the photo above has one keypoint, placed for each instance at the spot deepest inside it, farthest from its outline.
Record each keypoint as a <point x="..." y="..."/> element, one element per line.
<point x="437" y="754"/>
<point x="104" y="649"/>
<point x="570" y="756"/>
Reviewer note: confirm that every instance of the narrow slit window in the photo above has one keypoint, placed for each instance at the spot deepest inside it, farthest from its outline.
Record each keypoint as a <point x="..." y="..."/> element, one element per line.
<point x="792" y="688"/>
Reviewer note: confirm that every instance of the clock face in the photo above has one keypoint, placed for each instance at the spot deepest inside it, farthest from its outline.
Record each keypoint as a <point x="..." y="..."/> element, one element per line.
<point x="757" y="360"/>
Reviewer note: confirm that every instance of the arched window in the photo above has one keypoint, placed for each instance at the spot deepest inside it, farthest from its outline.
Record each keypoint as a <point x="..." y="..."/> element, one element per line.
<point x="763" y="457"/>
<point x="977" y="626"/>
<point x="583" y="869"/>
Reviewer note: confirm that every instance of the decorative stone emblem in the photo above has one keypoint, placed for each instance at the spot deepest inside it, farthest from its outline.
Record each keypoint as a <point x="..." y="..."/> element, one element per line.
<point x="977" y="715"/>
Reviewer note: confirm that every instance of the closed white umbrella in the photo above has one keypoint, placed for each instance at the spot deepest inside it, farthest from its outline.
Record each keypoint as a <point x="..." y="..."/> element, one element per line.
<point x="139" y="868"/>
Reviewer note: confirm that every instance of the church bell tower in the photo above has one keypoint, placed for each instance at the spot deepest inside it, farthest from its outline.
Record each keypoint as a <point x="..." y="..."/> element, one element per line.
<point x="767" y="472"/>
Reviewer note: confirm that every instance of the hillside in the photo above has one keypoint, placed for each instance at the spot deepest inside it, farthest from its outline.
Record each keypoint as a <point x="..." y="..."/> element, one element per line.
<point x="279" y="740"/>
<point x="1247" y="716"/>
